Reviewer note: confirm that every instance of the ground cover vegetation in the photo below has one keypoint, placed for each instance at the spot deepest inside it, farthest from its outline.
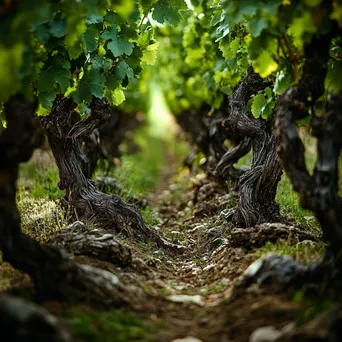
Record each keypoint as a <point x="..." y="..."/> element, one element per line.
<point x="115" y="229"/>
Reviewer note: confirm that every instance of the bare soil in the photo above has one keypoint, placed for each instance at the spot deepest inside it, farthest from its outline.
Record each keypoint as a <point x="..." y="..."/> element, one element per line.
<point x="194" y="293"/>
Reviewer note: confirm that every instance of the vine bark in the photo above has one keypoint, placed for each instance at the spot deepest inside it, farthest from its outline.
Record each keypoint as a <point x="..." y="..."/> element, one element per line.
<point x="54" y="274"/>
<point x="258" y="185"/>
<point x="109" y="211"/>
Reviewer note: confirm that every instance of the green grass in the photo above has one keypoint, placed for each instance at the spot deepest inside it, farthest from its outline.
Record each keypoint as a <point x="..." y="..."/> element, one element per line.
<point x="90" y="325"/>
<point x="37" y="200"/>
<point x="40" y="217"/>
<point x="41" y="181"/>
<point x="139" y="172"/>
<point x="290" y="206"/>
<point x="306" y="253"/>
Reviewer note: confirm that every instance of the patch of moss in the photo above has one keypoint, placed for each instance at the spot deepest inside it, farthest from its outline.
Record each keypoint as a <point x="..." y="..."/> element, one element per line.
<point x="88" y="324"/>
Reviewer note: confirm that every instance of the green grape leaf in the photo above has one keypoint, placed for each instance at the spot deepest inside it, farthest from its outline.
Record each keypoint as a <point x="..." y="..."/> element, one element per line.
<point x="89" y="38"/>
<point x="264" y="64"/>
<point x="118" y="44"/>
<point x="91" y="84"/>
<point x="101" y="62"/>
<point x="84" y="110"/>
<point x="134" y="60"/>
<point x="283" y="81"/>
<point x="123" y="70"/>
<point x="258" y="103"/>
<point x="150" y="54"/>
<point x="114" y="18"/>
<point x="263" y="104"/>
<point x="115" y="97"/>
<point x="46" y="99"/>
<point x="217" y="18"/>
<point x="90" y="6"/>
<point x="112" y="82"/>
<point x="58" y="27"/>
<point x="42" y="33"/>
<point x="248" y="7"/>
<point x="46" y="82"/>
<point x="229" y="49"/>
<point x="267" y="111"/>
<point x="55" y="71"/>
<point x="256" y="25"/>
<point x="94" y="19"/>
<point x="209" y="80"/>
<point x="168" y="11"/>
<point x="268" y="92"/>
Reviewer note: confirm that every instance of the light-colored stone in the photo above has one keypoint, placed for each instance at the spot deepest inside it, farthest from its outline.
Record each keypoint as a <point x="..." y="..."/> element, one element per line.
<point x="187" y="339"/>
<point x="265" y="334"/>
<point x="187" y="299"/>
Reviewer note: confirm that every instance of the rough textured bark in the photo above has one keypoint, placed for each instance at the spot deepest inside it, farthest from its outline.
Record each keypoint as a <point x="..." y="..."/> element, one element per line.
<point x="259" y="184"/>
<point x="109" y="211"/>
<point x="318" y="192"/>
<point x="81" y="240"/>
<point x="53" y="273"/>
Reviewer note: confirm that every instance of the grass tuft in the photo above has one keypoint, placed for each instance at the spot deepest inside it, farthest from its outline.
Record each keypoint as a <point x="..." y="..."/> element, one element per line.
<point x="90" y="325"/>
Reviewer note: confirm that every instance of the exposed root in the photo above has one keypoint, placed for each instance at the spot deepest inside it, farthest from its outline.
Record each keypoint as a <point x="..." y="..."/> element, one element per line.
<point x="80" y="240"/>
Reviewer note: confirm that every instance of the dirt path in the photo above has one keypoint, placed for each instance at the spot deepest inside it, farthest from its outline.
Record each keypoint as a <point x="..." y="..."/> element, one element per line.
<point x="195" y="290"/>
<point x="190" y="294"/>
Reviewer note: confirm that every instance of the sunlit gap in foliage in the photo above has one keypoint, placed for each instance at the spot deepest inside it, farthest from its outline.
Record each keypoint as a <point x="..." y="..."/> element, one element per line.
<point x="161" y="122"/>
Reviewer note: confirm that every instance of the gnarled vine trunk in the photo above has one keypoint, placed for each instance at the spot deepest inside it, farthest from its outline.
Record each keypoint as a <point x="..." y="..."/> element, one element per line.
<point x="89" y="204"/>
<point x="318" y="192"/>
<point x="258" y="185"/>
<point x="54" y="274"/>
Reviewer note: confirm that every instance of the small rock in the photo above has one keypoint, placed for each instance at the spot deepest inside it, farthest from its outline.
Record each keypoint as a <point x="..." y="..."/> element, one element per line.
<point x="187" y="299"/>
<point x="187" y="339"/>
<point x="209" y="267"/>
<point x="265" y="334"/>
